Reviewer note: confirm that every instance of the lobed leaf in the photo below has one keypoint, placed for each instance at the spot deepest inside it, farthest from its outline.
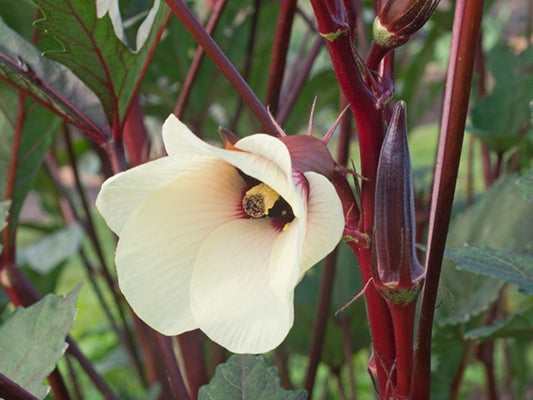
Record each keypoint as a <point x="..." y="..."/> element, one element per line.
<point x="92" y="50"/>
<point x="247" y="377"/>
<point x="33" y="339"/>
<point x="50" y="83"/>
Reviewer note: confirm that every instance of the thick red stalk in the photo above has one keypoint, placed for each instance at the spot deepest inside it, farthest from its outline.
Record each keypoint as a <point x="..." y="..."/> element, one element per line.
<point x="370" y="130"/>
<point x="403" y="318"/>
<point x="380" y="321"/>
<point x="279" y="54"/>
<point x="223" y="64"/>
<point x="197" y="60"/>
<point x="458" y="82"/>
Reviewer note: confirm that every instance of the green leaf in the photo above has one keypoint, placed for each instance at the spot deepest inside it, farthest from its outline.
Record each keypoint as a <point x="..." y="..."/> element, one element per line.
<point x="50" y="83"/>
<point x="51" y="251"/>
<point x="35" y="138"/>
<point x="92" y="50"/>
<point x="33" y="339"/>
<point x="502" y="264"/>
<point x="4" y="212"/>
<point x="247" y="377"/>
<point x="525" y="184"/>
<point x="500" y="219"/>
<point x="498" y="119"/>
<point x="518" y="325"/>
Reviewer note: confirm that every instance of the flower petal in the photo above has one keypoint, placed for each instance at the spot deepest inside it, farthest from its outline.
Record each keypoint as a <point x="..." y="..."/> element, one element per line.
<point x="160" y="241"/>
<point x="263" y="157"/>
<point x="180" y="141"/>
<point x="231" y="298"/>
<point x="270" y="148"/>
<point x="121" y="194"/>
<point x="325" y="220"/>
<point x="284" y="269"/>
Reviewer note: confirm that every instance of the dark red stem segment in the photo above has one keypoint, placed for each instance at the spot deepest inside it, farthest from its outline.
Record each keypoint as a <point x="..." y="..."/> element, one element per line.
<point x="403" y="318"/>
<point x="192" y="351"/>
<point x="171" y="368"/>
<point x="458" y="81"/>
<point x="12" y="390"/>
<point x="321" y="320"/>
<point x="299" y="81"/>
<point x="223" y="64"/>
<point x="279" y="54"/>
<point x="197" y="60"/>
<point x="361" y="99"/>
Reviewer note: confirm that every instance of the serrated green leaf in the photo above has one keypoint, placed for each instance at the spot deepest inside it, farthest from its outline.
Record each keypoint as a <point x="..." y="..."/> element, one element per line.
<point x="501" y="264"/>
<point x="35" y="138"/>
<point x="500" y="219"/>
<point x="92" y="50"/>
<point x="52" y="250"/>
<point x="247" y="377"/>
<point x="33" y="339"/>
<point x="518" y="325"/>
<point x="49" y="82"/>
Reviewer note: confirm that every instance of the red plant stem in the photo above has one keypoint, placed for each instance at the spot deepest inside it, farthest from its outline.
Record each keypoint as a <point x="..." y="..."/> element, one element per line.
<point x="281" y="358"/>
<point x="403" y="318"/>
<point x="135" y="135"/>
<point x="370" y="128"/>
<point x="90" y="228"/>
<point x="279" y="54"/>
<point x="380" y="321"/>
<point x="140" y="77"/>
<point x="58" y="385"/>
<point x="344" y="325"/>
<point x="299" y="81"/>
<point x="192" y="351"/>
<point x="247" y="61"/>
<point x="8" y="233"/>
<point x="73" y="379"/>
<point x="171" y="368"/>
<point x="321" y="320"/>
<point x="7" y="261"/>
<point x="362" y="102"/>
<point x="223" y="64"/>
<point x="197" y="60"/>
<point x="465" y="32"/>
<point x="11" y="390"/>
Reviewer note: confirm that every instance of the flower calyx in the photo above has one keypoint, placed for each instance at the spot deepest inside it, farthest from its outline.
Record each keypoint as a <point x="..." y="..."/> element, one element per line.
<point x="396" y="269"/>
<point x="397" y="20"/>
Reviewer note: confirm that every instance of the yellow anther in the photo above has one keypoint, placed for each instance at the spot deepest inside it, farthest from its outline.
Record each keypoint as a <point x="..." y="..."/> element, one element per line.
<point x="259" y="200"/>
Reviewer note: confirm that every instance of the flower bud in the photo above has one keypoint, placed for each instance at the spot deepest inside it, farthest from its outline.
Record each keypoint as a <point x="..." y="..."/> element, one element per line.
<point x="397" y="271"/>
<point x="397" y="20"/>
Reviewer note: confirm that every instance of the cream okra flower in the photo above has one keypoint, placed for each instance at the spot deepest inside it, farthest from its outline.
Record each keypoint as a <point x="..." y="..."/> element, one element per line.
<point x="217" y="239"/>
